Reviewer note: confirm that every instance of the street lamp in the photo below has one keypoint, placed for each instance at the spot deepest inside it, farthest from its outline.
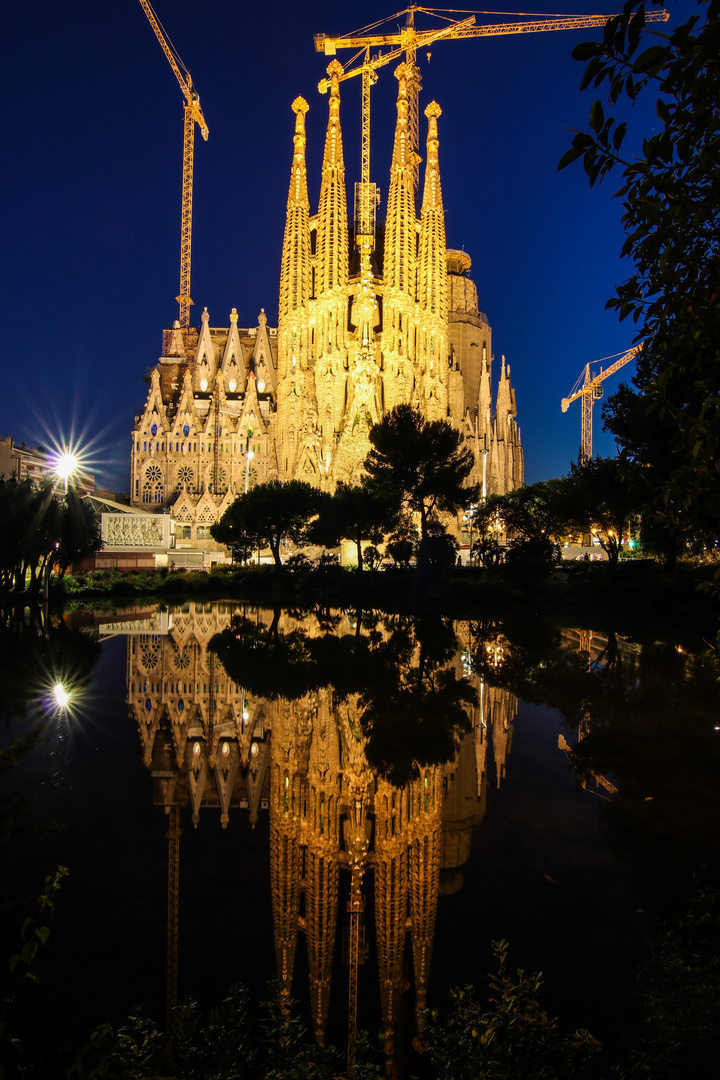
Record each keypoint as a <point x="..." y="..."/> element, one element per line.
<point x="65" y="466"/>
<point x="248" y="455"/>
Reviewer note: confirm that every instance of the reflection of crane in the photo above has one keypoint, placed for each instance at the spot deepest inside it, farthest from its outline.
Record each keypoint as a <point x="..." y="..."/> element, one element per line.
<point x="589" y="389"/>
<point x="357" y="846"/>
<point x="193" y="115"/>
<point x="585" y="638"/>
<point x="173" y="836"/>
<point x="355" y="909"/>
<point x="407" y="41"/>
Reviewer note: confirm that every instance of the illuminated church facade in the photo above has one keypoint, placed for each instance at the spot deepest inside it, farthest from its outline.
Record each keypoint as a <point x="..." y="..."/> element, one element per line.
<point x="363" y="326"/>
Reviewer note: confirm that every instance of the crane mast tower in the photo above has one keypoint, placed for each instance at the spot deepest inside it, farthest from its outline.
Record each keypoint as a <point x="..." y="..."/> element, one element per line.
<point x="193" y="116"/>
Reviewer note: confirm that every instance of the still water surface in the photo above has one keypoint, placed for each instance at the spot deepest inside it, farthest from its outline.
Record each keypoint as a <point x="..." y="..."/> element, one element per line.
<point x="465" y="782"/>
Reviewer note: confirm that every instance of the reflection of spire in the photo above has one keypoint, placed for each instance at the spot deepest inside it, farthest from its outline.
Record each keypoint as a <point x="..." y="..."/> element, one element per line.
<point x="173" y="836"/>
<point x="502" y="707"/>
<point x="308" y="758"/>
<point x="425" y="837"/>
<point x="321" y="830"/>
<point x="285" y="850"/>
<point x="391" y="904"/>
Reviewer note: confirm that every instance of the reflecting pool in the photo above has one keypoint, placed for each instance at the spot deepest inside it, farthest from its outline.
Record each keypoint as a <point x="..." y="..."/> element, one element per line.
<point x="354" y="802"/>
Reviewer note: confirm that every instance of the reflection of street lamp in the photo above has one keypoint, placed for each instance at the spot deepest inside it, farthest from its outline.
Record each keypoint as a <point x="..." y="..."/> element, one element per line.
<point x="60" y="695"/>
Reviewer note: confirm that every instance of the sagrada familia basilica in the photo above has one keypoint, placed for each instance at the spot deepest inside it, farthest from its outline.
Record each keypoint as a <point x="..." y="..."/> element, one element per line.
<point x="365" y="323"/>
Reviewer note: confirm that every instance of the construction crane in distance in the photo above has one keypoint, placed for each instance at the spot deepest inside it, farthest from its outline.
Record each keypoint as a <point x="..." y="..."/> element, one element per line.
<point x="193" y="115"/>
<point x="588" y="387"/>
<point x="409" y="39"/>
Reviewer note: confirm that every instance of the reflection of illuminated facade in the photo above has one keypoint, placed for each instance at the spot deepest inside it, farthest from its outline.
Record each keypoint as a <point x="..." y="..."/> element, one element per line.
<point x="210" y="745"/>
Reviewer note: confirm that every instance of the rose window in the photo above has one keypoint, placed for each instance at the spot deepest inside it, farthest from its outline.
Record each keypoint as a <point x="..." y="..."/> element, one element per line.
<point x="186" y="475"/>
<point x="221" y="480"/>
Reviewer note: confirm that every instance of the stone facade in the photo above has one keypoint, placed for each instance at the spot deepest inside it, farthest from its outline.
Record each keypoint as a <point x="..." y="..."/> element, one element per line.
<point x="363" y="326"/>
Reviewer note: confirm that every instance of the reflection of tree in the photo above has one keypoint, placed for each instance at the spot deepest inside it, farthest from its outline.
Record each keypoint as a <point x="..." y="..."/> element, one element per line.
<point x="414" y="705"/>
<point x="310" y="700"/>
<point x="645" y="718"/>
<point x="412" y="702"/>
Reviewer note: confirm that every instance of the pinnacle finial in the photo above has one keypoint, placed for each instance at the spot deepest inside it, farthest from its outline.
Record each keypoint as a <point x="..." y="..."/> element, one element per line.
<point x="300" y="107"/>
<point x="334" y="70"/>
<point x="233" y="316"/>
<point x="433" y="109"/>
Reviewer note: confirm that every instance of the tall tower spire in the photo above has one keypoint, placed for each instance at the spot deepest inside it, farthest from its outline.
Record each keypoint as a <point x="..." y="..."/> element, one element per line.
<point x="329" y="324"/>
<point x="432" y="281"/>
<point x="332" y="223"/>
<point x="295" y="266"/>
<point x="400" y="260"/>
<point x="294" y="318"/>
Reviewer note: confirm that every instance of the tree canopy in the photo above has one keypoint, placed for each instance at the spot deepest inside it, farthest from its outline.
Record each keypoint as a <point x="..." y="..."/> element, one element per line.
<point x="604" y="497"/>
<point x="358" y="514"/>
<point x="268" y="513"/>
<point x="530" y="512"/>
<point x="37" y="529"/>
<point x="669" y="422"/>
<point x="422" y="463"/>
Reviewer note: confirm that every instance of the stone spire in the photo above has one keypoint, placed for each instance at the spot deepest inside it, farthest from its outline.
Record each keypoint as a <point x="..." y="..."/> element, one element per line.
<point x="400" y="232"/>
<point x="399" y="267"/>
<point x="329" y="316"/>
<point x="433" y="345"/>
<point x="332" y="228"/>
<point x="432" y="260"/>
<point x="295" y="265"/>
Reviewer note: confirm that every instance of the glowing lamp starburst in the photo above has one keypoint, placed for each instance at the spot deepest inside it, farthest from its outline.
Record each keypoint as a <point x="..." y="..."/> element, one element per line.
<point x="60" y="695"/>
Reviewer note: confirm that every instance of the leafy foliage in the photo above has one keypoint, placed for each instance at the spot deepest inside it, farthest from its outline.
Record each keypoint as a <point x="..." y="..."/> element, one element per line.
<point x="605" y="495"/>
<point x="21" y="965"/>
<point x="530" y="512"/>
<point x="670" y="422"/>
<point x="680" y="996"/>
<point x="37" y="530"/>
<point x="267" y="514"/>
<point x="422" y="464"/>
<point x="357" y="514"/>
<point x="511" y="1037"/>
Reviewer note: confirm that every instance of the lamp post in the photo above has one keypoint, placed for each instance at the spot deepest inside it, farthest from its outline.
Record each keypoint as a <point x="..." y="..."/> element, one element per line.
<point x="484" y="452"/>
<point x="248" y="455"/>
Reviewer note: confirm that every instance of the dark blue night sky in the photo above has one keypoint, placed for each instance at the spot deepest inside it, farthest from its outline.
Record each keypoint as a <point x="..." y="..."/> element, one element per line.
<point x="92" y="182"/>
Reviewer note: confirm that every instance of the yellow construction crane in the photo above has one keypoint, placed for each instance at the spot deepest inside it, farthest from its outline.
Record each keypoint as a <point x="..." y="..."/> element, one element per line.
<point x="193" y="115"/>
<point x="589" y="389"/>
<point x="408" y="40"/>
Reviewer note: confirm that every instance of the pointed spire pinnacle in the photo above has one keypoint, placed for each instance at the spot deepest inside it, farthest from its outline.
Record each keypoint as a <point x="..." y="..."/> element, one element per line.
<point x="295" y="267"/>
<point x="432" y="262"/>
<point x="332" y="228"/>
<point x="400" y="232"/>
<point x="297" y="195"/>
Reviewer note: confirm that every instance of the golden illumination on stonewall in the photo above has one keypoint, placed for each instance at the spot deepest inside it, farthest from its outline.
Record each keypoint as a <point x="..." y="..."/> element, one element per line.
<point x="367" y="320"/>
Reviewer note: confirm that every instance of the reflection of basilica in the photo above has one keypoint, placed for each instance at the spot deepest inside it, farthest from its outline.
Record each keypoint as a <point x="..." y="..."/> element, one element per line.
<point x="211" y="745"/>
